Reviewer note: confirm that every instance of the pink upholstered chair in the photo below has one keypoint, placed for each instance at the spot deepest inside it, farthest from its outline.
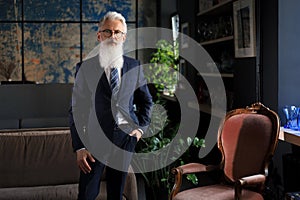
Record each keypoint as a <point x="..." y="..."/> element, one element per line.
<point x="247" y="139"/>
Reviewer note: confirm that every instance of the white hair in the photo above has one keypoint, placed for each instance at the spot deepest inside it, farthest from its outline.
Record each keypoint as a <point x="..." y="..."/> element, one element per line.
<point x="112" y="15"/>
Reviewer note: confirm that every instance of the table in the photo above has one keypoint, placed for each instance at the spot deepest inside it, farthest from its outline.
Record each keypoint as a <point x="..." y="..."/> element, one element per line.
<point x="290" y="136"/>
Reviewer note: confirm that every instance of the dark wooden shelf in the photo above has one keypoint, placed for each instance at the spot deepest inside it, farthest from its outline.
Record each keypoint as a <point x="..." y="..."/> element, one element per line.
<point x="224" y="75"/>
<point x="224" y="39"/>
<point x="206" y="109"/>
<point x="223" y="7"/>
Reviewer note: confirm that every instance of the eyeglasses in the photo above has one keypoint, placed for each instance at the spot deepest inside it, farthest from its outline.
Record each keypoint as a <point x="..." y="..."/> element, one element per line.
<point x="108" y="33"/>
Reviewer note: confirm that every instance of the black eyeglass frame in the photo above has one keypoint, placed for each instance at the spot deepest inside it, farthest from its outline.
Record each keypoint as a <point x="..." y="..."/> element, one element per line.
<point x="109" y="33"/>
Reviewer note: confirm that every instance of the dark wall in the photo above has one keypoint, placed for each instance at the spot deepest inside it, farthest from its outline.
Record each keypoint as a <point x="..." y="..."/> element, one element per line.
<point x="34" y="105"/>
<point x="187" y="14"/>
<point x="289" y="53"/>
<point x="244" y="82"/>
<point x="165" y="8"/>
<point x="269" y="52"/>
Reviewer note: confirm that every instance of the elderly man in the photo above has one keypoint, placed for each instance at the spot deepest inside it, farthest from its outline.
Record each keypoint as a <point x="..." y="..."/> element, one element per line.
<point x="122" y="106"/>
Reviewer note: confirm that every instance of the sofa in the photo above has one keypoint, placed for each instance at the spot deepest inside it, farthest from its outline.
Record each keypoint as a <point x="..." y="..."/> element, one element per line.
<point x="40" y="164"/>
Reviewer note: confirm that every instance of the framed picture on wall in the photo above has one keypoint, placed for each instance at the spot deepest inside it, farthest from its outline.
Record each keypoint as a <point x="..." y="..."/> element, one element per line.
<point x="244" y="28"/>
<point x="185" y="34"/>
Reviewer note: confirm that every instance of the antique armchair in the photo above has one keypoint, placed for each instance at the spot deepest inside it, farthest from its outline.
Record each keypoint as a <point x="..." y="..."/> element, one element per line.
<point x="247" y="139"/>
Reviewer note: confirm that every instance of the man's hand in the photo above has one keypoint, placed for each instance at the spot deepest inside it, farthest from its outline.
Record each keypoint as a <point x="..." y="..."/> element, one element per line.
<point x="136" y="133"/>
<point x="82" y="156"/>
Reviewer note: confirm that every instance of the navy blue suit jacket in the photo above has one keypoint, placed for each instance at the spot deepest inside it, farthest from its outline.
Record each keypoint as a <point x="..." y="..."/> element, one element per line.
<point x="92" y="89"/>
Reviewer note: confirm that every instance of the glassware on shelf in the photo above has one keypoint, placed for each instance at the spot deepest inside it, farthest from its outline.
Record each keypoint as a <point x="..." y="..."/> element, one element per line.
<point x="214" y="28"/>
<point x="292" y="116"/>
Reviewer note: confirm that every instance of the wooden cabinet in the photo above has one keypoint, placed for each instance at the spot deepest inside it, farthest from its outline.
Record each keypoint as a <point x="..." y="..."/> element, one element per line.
<point x="214" y="31"/>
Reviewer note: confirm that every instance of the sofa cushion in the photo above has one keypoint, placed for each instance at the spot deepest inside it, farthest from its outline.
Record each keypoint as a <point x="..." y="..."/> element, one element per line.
<point x="36" y="157"/>
<point x="58" y="192"/>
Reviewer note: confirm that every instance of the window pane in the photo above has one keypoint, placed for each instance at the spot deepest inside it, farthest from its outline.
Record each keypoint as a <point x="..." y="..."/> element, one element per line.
<point x="51" y="51"/>
<point x="10" y="54"/>
<point x="93" y="10"/>
<point x="10" y="10"/>
<point x="89" y="39"/>
<point x="58" y="10"/>
<point x="130" y="43"/>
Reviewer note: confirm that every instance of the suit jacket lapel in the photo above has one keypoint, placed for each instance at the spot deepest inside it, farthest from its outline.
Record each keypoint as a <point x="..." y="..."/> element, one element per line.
<point x="125" y="67"/>
<point x="123" y="71"/>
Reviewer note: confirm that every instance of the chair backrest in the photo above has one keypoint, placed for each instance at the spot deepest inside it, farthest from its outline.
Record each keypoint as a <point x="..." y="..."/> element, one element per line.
<point x="247" y="139"/>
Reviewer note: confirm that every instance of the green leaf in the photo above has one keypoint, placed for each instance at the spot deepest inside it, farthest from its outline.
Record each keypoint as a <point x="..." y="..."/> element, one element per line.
<point x="189" y="141"/>
<point x="193" y="178"/>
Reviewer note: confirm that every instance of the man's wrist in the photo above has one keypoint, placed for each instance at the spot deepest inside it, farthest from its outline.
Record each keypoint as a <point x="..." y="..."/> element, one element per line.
<point x="141" y="131"/>
<point x="80" y="149"/>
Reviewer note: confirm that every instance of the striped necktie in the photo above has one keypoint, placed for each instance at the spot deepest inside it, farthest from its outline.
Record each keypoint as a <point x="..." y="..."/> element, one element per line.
<point x="114" y="79"/>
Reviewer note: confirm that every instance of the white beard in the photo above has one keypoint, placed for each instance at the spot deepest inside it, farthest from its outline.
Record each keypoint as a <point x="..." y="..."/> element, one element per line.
<point x="111" y="54"/>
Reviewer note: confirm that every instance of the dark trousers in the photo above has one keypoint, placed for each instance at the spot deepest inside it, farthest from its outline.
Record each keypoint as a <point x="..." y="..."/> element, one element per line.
<point x="89" y="184"/>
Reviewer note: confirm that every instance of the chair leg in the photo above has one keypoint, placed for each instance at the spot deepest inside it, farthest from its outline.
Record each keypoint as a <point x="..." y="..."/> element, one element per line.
<point x="237" y="191"/>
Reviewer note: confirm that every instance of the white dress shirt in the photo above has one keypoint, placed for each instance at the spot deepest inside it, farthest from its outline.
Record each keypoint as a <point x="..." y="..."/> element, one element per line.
<point x="120" y="118"/>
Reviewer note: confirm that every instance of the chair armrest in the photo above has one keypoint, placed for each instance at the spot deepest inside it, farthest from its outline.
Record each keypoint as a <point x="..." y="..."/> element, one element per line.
<point x="188" y="169"/>
<point x="254" y="180"/>
<point x="194" y="168"/>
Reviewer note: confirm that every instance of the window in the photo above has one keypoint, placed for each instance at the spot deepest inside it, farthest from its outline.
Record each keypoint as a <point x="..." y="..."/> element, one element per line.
<point x="41" y="41"/>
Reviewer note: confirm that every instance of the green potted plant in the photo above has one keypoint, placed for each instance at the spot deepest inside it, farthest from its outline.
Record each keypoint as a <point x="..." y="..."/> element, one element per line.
<point x="158" y="182"/>
<point x="163" y="75"/>
<point x="163" y="68"/>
